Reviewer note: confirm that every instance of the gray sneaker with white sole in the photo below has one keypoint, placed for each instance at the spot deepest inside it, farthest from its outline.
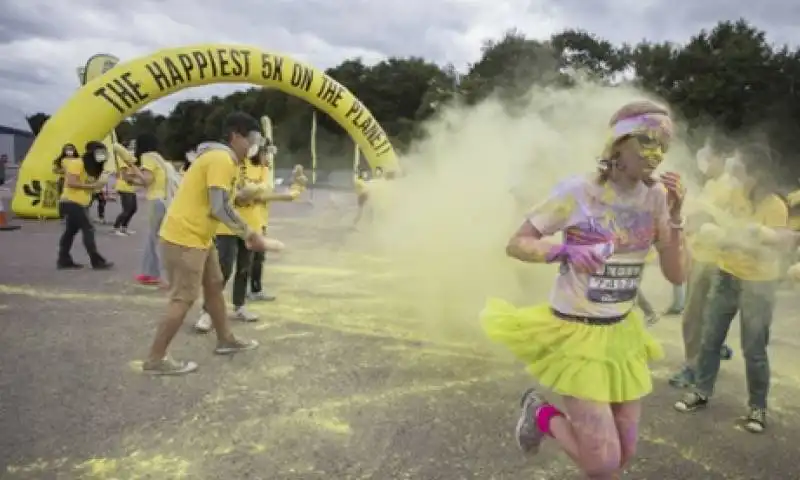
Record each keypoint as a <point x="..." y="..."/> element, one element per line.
<point x="235" y="346"/>
<point x="168" y="366"/>
<point x="529" y="437"/>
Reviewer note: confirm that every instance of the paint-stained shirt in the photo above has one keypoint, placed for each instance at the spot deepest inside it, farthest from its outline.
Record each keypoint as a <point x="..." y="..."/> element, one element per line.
<point x="587" y="212"/>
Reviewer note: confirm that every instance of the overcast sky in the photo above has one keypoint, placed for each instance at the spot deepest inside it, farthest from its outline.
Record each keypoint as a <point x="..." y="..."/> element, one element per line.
<point x="42" y="42"/>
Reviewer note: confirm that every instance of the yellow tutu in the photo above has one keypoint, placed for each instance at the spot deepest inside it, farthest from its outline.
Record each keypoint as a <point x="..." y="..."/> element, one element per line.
<point x="601" y="363"/>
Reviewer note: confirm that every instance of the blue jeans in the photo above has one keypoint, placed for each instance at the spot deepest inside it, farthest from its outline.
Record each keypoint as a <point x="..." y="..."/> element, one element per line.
<point x="151" y="260"/>
<point x="755" y="303"/>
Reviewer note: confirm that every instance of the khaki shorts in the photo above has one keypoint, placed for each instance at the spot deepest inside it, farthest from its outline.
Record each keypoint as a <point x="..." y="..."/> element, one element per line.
<point x="189" y="270"/>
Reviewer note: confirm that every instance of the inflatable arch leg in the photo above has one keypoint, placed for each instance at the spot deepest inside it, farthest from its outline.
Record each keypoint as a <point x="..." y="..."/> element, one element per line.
<point x="100" y="105"/>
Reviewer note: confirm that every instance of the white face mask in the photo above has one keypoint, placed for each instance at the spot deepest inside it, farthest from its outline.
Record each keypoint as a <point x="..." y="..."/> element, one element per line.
<point x="256" y="141"/>
<point x="100" y="156"/>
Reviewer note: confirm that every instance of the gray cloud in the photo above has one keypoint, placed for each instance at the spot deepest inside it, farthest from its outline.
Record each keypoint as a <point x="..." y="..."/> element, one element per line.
<point x="42" y="42"/>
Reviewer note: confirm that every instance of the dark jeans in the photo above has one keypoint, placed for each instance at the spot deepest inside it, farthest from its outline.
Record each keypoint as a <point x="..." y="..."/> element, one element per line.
<point x="232" y="252"/>
<point x="101" y="205"/>
<point x="256" y="271"/>
<point x="127" y="201"/>
<point x="755" y="303"/>
<point x="77" y="220"/>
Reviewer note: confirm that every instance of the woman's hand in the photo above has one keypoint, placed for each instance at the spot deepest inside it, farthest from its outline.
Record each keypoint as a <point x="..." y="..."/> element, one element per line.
<point x="584" y="258"/>
<point x="676" y="193"/>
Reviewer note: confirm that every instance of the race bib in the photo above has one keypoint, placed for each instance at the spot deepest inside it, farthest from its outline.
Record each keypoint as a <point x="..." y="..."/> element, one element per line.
<point x="616" y="283"/>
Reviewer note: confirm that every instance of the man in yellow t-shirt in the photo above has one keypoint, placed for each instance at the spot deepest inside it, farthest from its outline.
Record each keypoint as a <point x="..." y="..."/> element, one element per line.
<point x="252" y="190"/>
<point x="190" y="259"/>
<point x="82" y="178"/>
<point x="745" y="283"/>
<point x="719" y="197"/>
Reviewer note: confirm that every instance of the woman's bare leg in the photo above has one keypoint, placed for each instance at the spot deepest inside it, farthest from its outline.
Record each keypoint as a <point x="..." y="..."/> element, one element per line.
<point x="627" y="416"/>
<point x="586" y="431"/>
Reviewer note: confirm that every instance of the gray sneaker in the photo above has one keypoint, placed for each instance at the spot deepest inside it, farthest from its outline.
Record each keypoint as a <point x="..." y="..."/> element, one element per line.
<point x="261" y="296"/>
<point x="529" y="437"/>
<point x="235" y="346"/>
<point x="168" y="366"/>
<point x="756" y="420"/>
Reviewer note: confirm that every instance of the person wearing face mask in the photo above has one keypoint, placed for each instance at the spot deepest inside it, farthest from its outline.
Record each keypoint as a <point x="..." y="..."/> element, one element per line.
<point x="252" y="193"/>
<point x="68" y="151"/>
<point x="82" y="177"/>
<point x="589" y="344"/>
<point x="129" y="179"/>
<point x="263" y="201"/>
<point x="718" y="201"/>
<point x="189" y="256"/>
<point x="748" y="267"/>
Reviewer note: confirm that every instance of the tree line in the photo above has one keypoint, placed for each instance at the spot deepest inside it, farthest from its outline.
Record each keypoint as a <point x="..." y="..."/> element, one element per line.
<point x="730" y="77"/>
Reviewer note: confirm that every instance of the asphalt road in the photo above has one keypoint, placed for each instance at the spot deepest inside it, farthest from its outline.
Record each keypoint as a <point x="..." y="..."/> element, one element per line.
<point x="346" y="385"/>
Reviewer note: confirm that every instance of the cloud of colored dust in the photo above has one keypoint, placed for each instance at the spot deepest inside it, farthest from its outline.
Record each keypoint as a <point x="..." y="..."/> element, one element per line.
<point x="445" y="224"/>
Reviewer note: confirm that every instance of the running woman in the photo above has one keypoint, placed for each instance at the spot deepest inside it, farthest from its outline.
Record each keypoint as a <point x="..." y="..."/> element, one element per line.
<point x="589" y="345"/>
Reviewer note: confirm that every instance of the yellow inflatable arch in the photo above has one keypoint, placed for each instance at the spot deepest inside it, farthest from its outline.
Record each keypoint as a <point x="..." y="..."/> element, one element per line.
<point x="100" y="105"/>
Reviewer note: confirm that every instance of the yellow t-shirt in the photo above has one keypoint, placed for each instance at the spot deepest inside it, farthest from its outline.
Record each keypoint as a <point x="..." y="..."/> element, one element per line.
<point x="720" y="194"/>
<point x="158" y="188"/>
<point x="74" y="166"/>
<point x="299" y="183"/>
<point x="189" y="222"/>
<point x="252" y="214"/>
<point x="770" y="212"/>
<point x="121" y="186"/>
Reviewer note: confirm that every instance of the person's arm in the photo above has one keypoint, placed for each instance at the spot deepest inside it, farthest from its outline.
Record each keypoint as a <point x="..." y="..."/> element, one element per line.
<point x="220" y="175"/>
<point x="222" y="210"/>
<point x="545" y="219"/>
<point x="669" y="239"/>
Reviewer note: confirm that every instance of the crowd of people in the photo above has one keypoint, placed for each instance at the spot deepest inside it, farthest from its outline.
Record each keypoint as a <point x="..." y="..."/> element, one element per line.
<point x="205" y="224"/>
<point x="724" y="251"/>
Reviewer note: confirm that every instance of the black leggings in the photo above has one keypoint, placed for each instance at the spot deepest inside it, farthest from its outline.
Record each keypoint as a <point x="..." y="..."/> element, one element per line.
<point x="101" y="204"/>
<point x="77" y="220"/>
<point x="129" y="205"/>
<point x="256" y="272"/>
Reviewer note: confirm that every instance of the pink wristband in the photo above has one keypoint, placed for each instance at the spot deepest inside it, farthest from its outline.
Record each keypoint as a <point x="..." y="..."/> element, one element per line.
<point x="544" y="414"/>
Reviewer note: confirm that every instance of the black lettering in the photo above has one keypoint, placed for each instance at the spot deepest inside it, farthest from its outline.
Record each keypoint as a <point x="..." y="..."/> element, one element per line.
<point x="186" y="64"/>
<point x="271" y="67"/>
<point x="121" y="92"/>
<point x="201" y="62"/>
<point x="302" y="77"/>
<point x="355" y="110"/>
<point x="213" y="64"/>
<point x="385" y="148"/>
<point x="241" y="63"/>
<point x="155" y="70"/>
<point x="330" y="92"/>
<point x="174" y="72"/>
<point x="134" y="86"/>
<point x="102" y="93"/>
<point x="224" y="63"/>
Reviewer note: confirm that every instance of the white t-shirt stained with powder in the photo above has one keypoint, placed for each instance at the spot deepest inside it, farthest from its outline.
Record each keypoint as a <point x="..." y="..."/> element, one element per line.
<point x="588" y="213"/>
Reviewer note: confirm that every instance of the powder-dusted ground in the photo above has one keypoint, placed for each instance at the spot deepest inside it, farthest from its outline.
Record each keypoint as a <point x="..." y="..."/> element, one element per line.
<point x="345" y="385"/>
